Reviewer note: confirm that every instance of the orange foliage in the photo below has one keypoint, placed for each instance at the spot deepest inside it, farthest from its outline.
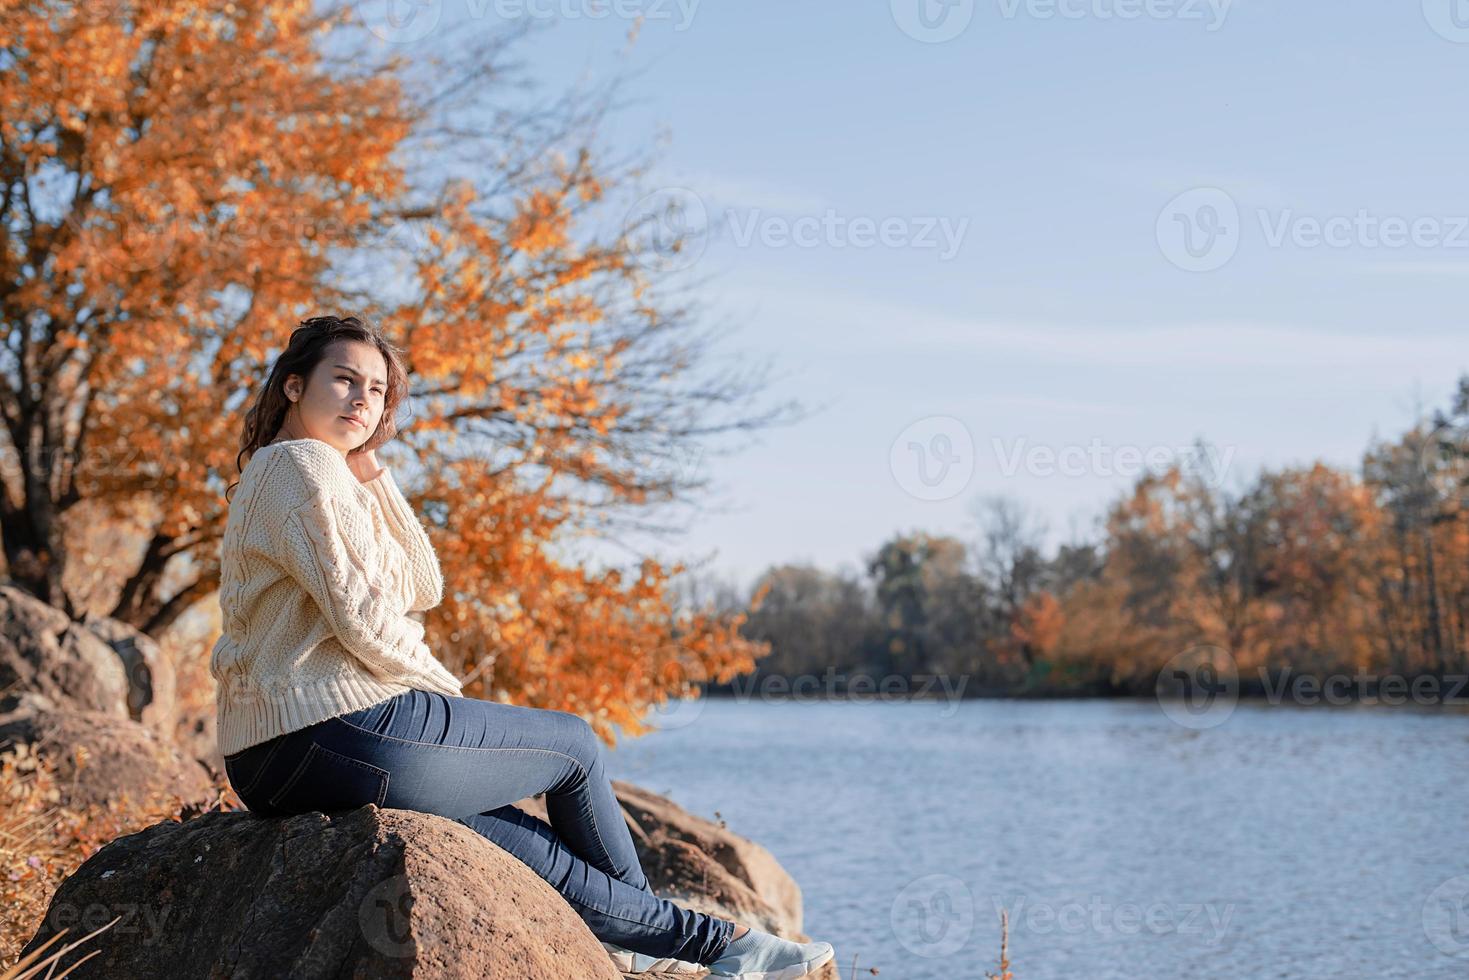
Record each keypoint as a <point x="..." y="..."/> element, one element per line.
<point x="1037" y="624"/>
<point x="229" y="179"/>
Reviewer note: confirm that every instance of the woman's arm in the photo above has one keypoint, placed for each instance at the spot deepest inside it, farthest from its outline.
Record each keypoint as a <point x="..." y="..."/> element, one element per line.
<point x="365" y="613"/>
<point x="426" y="576"/>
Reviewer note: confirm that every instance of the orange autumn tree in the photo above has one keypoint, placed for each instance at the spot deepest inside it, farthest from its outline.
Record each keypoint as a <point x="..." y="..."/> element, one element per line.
<point x="1319" y="568"/>
<point x="1175" y="575"/>
<point x="183" y="182"/>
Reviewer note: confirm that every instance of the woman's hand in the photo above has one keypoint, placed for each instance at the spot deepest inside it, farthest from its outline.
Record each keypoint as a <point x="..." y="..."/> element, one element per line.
<point x="364" y="465"/>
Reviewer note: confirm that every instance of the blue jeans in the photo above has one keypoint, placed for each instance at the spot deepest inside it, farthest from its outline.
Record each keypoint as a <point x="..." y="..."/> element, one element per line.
<point x="468" y="760"/>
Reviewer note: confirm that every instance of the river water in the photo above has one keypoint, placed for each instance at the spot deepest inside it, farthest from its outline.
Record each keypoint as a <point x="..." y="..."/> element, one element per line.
<point x="1285" y="842"/>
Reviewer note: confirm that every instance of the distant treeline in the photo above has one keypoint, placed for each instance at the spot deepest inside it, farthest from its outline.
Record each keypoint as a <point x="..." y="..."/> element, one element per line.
<point x="1307" y="571"/>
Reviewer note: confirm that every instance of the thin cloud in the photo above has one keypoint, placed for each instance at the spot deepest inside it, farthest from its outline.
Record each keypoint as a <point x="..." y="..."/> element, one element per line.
<point x="1180" y="347"/>
<point x="725" y="191"/>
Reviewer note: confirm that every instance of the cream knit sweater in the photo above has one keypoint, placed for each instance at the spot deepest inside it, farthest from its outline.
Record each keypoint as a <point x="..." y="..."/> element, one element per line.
<point x="318" y="571"/>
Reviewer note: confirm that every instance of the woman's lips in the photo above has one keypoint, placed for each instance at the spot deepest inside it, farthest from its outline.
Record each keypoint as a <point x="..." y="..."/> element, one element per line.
<point x="349" y="418"/>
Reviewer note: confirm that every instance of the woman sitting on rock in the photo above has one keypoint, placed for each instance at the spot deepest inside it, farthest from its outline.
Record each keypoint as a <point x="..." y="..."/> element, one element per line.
<point x="329" y="699"/>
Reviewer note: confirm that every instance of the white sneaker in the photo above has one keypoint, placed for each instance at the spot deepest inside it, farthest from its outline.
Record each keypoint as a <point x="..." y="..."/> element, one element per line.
<point x="762" y="956"/>
<point x="629" y="962"/>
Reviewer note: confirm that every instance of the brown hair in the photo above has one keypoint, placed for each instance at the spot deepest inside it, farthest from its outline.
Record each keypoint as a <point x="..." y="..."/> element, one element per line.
<point x="303" y="352"/>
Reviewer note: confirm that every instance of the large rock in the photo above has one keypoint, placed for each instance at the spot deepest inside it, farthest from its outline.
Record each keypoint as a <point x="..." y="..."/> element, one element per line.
<point x="365" y="893"/>
<point x="151" y="687"/>
<point x="704" y="866"/>
<point x="98" y="664"/>
<point x="42" y="651"/>
<point x="687" y="857"/>
<point x="120" y="757"/>
<point x="197" y="735"/>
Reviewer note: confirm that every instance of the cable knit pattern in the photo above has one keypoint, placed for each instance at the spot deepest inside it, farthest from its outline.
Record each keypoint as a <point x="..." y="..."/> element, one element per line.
<point x="408" y="533"/>
<point x="317" y="574"/>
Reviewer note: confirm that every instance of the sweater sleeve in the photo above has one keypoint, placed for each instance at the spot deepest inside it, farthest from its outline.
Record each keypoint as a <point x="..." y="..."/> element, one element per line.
<point x="366" y="613"/>
<point x="425" y="575"/>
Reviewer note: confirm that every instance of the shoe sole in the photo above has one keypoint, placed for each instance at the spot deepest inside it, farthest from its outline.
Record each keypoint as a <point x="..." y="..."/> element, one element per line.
<point x="791" y="972"/>
<point x="664" y="967"/>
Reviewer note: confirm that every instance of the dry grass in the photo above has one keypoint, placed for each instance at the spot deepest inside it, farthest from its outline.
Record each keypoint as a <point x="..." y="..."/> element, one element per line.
<point x="1004" y="967"/>
<point x="42" y="841"/>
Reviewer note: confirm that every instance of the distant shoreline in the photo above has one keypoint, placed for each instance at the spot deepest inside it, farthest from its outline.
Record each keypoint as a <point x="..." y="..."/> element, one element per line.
<point x="1282" y="689"/>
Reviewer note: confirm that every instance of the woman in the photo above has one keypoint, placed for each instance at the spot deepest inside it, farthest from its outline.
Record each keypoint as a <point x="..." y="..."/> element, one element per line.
<point x="328" y="698"/>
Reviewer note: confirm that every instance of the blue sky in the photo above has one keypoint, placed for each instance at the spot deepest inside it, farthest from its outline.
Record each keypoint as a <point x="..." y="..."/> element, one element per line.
<point x="1075" y="156"/>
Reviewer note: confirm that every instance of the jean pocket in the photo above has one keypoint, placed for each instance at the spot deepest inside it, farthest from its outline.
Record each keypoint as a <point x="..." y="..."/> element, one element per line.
<point x="327" y="780"/>
<point x="244" y="769"/>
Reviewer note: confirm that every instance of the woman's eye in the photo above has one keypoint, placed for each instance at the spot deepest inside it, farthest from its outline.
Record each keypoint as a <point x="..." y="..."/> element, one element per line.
<point x="377" y="391"/>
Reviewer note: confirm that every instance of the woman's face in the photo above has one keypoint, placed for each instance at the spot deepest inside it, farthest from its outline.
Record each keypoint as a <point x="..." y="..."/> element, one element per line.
<point x="350" y="382"/>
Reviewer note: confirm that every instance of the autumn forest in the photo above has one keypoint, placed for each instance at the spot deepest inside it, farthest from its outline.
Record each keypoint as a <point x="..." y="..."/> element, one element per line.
<point x="1310" y="572"/>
